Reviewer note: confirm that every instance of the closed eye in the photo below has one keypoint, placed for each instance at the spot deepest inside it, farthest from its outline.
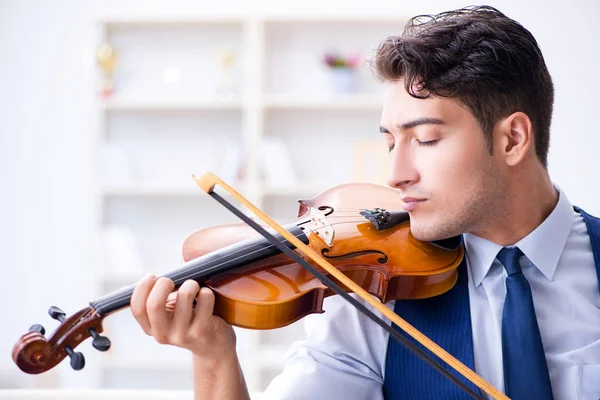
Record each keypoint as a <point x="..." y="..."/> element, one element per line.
<point x="427" y="143"/>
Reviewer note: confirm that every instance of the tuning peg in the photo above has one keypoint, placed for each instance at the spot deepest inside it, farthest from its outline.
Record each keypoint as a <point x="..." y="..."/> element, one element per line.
<point x="101" y="343"/>
<point x="37" y="328"/>
<point x="57" y="313"/>
<point x="77" y="359"/>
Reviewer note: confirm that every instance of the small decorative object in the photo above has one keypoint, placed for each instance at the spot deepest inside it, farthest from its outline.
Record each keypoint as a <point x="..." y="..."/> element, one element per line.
<point x="225" y="89"/>
<point x="107" y="59"/>
<point x="343" y="74"/>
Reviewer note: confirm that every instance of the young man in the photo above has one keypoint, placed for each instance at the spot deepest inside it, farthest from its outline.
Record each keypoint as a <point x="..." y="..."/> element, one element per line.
<point x="467" y="120"/>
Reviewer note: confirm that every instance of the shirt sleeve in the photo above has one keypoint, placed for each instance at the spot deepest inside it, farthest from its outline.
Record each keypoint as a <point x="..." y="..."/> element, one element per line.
<point x="342" y="357"/>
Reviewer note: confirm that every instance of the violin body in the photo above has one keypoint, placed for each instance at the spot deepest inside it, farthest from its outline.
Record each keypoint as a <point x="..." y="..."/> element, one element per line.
<point x="274" y="292"/>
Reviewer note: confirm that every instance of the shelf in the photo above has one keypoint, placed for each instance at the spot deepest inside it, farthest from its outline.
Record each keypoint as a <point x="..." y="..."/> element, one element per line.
<point x="339" y="102"/>
<point x="338" y="19"/>
<point x="145" y="190"/>
<point x="117" y="104"/>
<point x="158" y="130"/>
<point x="183" y="20"/>
<point x="306" y="190"/>
<point x="269" y="358"/>
<point x="184" y="364"/>
<point x="163" y="190"/>
<point x="152" y="21"/>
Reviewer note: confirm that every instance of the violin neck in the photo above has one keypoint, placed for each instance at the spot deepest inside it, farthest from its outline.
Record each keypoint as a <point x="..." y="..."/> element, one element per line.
<point x="204" y="267"/>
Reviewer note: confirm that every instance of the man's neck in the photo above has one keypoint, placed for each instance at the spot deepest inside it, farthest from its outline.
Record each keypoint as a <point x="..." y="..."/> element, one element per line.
<point x="528" y="202"/>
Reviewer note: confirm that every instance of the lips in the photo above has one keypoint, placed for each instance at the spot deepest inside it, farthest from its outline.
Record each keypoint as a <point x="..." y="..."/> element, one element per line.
<point x="411" y="199"/>
<point x="410" y="203"/>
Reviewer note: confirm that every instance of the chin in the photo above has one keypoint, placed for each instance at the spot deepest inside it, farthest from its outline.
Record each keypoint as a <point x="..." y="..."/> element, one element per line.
<point x="428" y="232"/>
<point x="424" y="236"/>
<point x="420" y="231"/>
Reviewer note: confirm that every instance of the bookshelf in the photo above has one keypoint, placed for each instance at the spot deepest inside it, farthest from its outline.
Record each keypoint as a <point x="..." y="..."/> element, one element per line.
<point x="167" y="119"/>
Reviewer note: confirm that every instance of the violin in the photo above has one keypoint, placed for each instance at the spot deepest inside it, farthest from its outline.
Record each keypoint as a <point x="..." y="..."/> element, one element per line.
<point x="347" y="239"/>
<point x="370" y="245"/>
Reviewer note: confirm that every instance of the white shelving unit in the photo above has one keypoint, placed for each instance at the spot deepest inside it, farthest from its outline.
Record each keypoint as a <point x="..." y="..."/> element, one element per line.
<point x="153" y="135"/>
<point x="349" y="102"/>
<point x="153" y="105"/>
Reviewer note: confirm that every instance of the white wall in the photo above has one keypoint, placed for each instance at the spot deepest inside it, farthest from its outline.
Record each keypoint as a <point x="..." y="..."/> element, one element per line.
<point x="46" y="148"/>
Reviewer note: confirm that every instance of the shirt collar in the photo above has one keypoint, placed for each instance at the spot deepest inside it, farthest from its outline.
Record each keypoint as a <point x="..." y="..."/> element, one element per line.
<point x="543" y="246"/>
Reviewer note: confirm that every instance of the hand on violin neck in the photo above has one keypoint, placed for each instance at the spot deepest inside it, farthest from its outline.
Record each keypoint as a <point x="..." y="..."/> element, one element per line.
<point x="183" y="318"/>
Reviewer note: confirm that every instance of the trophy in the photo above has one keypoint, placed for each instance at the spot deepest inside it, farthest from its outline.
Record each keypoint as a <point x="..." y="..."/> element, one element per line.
<point x="107" y="58"/>
<point x="225" y="89"/>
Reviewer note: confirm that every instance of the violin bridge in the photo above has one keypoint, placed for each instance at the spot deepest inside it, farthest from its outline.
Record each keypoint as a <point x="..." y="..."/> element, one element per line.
<point x="320" y="225"/>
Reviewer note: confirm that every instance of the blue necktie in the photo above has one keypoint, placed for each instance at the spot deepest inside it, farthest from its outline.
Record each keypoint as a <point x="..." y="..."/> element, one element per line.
<point x="525" y="369"/>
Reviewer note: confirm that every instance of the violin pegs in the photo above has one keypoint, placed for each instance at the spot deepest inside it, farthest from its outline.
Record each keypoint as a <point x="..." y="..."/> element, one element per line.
<point x="100" y="343"/>
<point x="77" y="359"/>
<point x="37" y="328"/>
<point x="56" y="313"/>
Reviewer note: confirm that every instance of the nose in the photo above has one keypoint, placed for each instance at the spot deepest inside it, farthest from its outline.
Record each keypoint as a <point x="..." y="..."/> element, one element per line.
<point x="402" y="172"/>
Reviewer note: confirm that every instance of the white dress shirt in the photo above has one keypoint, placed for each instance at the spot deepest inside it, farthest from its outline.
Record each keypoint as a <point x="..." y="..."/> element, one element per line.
<point x="343" y="356"/>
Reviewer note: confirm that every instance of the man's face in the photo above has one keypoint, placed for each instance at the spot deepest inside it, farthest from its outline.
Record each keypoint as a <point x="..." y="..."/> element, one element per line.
<point x="440" y="164"/>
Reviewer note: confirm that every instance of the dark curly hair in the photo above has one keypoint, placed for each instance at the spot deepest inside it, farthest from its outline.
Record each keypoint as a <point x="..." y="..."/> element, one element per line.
<point x="479" y="56"/>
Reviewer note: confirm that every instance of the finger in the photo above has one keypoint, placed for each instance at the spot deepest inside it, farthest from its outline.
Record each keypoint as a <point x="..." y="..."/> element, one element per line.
<point x="138" y="301"/>
<point x="157" y="310"/>
<point x="182" y="318"/>
<point x="204" y="308"/>
<point x="171" y="301"/>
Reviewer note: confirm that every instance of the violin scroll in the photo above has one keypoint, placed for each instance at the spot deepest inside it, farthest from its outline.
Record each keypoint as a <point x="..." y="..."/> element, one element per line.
<point x="34" y="354"/>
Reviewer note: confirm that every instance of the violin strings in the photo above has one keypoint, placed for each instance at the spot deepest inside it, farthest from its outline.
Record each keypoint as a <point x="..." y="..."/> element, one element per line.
<point x="176" y="276"/>
<point x="192" y="271"/>
<point x="348" y="209"/>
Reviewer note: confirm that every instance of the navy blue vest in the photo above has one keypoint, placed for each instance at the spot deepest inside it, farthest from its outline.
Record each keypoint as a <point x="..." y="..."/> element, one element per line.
<point x="446" y="320"/>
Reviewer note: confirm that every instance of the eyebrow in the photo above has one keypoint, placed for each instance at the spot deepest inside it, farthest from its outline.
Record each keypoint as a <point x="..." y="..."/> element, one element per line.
<point x="416" y="122"/>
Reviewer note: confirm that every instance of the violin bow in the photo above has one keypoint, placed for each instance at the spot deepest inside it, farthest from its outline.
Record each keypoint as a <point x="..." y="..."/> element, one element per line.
<point x="207" y="183"/>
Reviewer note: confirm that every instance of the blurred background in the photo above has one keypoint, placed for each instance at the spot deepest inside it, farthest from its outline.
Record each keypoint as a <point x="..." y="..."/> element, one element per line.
<point x="108" y="107"/>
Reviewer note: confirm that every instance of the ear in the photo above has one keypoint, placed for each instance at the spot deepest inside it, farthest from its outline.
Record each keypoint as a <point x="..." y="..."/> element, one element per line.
<point x="515" y="137"/>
